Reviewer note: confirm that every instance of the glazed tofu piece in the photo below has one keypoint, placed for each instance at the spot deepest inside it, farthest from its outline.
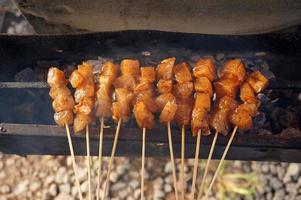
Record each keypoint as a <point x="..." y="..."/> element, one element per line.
<point x="125" y="81"/>
<point x="109" y="69"/>
<point x="182" y="73"/>
<point x="202" y="100"/>
<point x="234" y="69"/>
<point x="247" y="94"/>
<point x="148" y="101"/>
<point x="162" y="99"/>
<point x="226" y="87"/>
<point x="203" y="85"/>
<point x="55" y="77"/>
<point x="200" y="121"/>
<point x="183" y="114"/>
<point x="104" y="92"/>
<point x="145" y="88"/>
<point x="165" y="68"/>
<point x="220" y="118"/>
<point x="164" y="86"/>
<point x="169" y="111"/>
<point x="86" y="70"/>
<point x="62" y="90"/>
<point x="64" y="117"/>
<point x="103" y="108"/>
<point x="183" y="90"/>
<point x="205" y="68"/>
<point x="85" y="106"/>
<point x="62" y="102"/>
<point x="241" y="118"/>
<point x="76" y="79"/>
<point x="144" y="118"/>
<point x="147" y="74"/>
<point x="124" y="96"/>
<point x="120" y="111"/>
<point x="257" y="81"/>
<point x="130" y="67"/>
<point x="250" y="108"/>
<point x="80" y="122"/>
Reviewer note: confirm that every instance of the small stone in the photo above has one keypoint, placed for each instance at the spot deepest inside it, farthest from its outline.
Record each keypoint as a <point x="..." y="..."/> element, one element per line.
<point x="46" y="196"/>
<point x="114" y="177"/>
<point x="1" y="164"/>
<point x="293" y="169"/>
<point x="65" y="188"/>
<point x="279" y="195"/>
<point x="276" y="183"/>
<point x="64" y="196"/>
<point x="35" y="186"/>
<point x="168" y="179"/>
<point x="2" y="175"/>
<point x="69" y="161"/>
<point x="84" y="186"/>
<point x="265" y="168"/>
<point x="134" y="184"/>
<point x="137" y="193"/>
<point x="53" y="190"/>
<point x="269" y="196"/>
<point x="49" y="180"/>
<point x="61" y="173"/>
<point x="121" y="169"/>
<point x="123" y="194"/>
<point x="167" y="188"/>
<point x="4" y="189"/>
<point x="158" y="194"/>
<point x="291" y="188"/>
<point x="82" y="174"/>
<point x="10" y="162"/>
<point x="118" y="186"/>
<point x="168" y="167"/>
<point x="158" y="182"/>
<point x="21" y="187"/>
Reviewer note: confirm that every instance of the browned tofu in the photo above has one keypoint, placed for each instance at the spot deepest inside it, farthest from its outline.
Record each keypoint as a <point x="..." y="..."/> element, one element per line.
<point x="88" y="90"/>
<point x="247" y="94"/>
<point x="64" y="117"/>
<point x="76" y="79"/>
<point x="147" y="74"/>
<point x="182" y="73"/>
<point x="226" y="103"/>
<point x="202" y="100"/>
<point x="164" y="86"/>
<point x="130" y="67"/>
<point x="200" y="121"/>
<point x="203" y="85"/>
<point x="241" y="118"/>
<point x="234" y="69"/>
<point x="183" y="114"/>
<point x="257" y="81"/>
<point x="86" y="70"/>
<point x="125" y="81"/>
<point x="226" y="87"/>
<point x="165" y="68"/>
<point x="56" y="77"/>
<point x="250" y="108"/>
<point x="145" y="88"/>
<point x="169" y="111"/>
<point x="109" y="69"/>
<point x="144" y="118"/>
<point x="124" y="96"/>
<point x="162" y="99"/>
<point x="62" y="90"/>
<point x="103" y="108"/>
<point x="104" y="92"/>
<point x="85" y="106"/>
<point x="62" y="102"/>
<point x="205" y="68"/>
<point x="148" y="101"/>
<point x="80" y="122"/>
<point x="183" y="90"/>
<point x="120" y="111"/>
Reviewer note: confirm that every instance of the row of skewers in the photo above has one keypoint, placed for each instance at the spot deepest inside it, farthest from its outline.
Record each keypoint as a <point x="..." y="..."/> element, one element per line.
<point x="182" y="95"/>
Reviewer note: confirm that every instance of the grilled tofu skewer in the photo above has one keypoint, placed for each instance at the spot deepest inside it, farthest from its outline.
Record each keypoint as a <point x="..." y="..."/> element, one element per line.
<point x="122" y="107"/>
<point x="82" y="80"/>
<point x="104" y="104"/>
<point x="183" y="92"/>
<point x="241" y="117"/>
<point x="204" y="74"/>
<point x="63" y="104"/>
<point x="144" y="107"/>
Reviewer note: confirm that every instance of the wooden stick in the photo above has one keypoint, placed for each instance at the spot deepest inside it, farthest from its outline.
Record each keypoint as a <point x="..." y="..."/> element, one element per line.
<point x="74" y="163"/>
<point x="88" y="162"/>
<point x="142" y="163"/>
<point x="221" y="162"/>
<point x="99" y="157"/>
<point x="196" y="163"/>
<point x="207" y="165"/>
<point x="111" y="160"/>
<point x="172" y="161"/>
<point x="182" y="162"/>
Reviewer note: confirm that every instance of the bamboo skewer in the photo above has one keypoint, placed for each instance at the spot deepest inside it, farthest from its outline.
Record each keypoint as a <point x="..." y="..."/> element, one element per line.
<point x="207" y="165"/>
<point x="221" y="162"/>
<point x="182" y="162"/>
<point x="172" y="161"/>
<point x="99" y="157"/>
<point x="88" y="162"/>
<point x="111" y="160"/>
<point x="73" y="163"/>
<point x="142" y="163"/>
<point x="196" y="163"/>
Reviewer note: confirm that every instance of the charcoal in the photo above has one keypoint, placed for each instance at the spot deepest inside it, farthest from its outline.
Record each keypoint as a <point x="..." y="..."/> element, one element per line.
<point x="26" y="75"/>
<point x="259" y="120"/>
